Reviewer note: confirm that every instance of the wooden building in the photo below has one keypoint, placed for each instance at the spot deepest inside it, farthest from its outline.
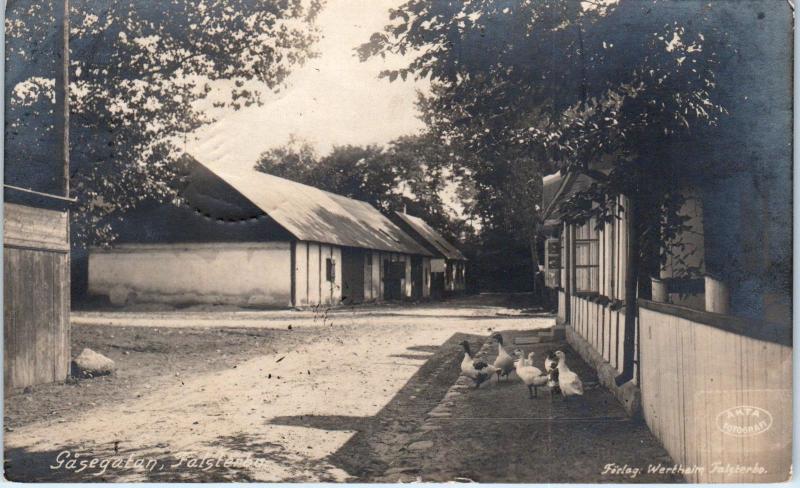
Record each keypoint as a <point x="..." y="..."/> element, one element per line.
<point x="448" y="266"/>
<point x="711" y="355"/>
<point x="36" y="245"/>
<point x="36" y="300"/>
<point x="252" y="239"/>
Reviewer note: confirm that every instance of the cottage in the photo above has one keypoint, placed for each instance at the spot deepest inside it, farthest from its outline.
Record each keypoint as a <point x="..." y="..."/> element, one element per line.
<point x="243" y="237"/>
<point x="719" y="338"/>
<point x="448" y="266"/>
<point x="690" y="352"/>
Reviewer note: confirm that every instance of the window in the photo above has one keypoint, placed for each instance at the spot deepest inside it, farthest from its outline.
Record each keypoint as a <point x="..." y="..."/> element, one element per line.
<point x="587" y="258"/>
<point x="552" y="262"/>
<point x="330" y="270"/>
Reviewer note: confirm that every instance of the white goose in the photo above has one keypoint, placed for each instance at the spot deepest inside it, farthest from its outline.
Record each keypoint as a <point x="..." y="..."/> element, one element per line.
<point x="478" y="371"/>
<point x="529" y="374"/>
<point x="549" y="362"/>
<point x="569" y="382"/>
<point x="550" y="367"/>
<point x="504" y="361"/>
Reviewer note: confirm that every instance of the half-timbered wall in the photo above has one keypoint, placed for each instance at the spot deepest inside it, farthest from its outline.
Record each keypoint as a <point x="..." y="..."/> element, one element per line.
<point x="593" y="263"/>
<point x="426" y="277"/>
<point x="314" y="285"/>
<point x="593" y="278"/>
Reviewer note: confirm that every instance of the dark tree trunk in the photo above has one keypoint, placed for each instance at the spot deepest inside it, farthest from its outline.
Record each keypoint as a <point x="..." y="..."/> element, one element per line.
<point x="535" y="264"/>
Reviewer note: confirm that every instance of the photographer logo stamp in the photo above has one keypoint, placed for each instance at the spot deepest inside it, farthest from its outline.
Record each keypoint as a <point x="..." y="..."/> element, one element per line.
<point x="744" y="421"/>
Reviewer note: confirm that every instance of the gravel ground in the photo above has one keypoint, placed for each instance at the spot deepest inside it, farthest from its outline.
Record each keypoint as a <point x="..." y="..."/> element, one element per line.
<point x="332" y="399"/>
<point x="148" y="359"/>
<point x="497" y="434"/>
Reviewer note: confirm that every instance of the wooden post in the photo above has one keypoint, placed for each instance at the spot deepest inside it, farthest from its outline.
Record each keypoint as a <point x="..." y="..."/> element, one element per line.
<point x="61" y="114"/>
<point x="61" y="111"/>
<point x="631" y="286"/>
<point x="717" y="296"/>
<point x="535" y="264"/>
<point x="568" y="272"/>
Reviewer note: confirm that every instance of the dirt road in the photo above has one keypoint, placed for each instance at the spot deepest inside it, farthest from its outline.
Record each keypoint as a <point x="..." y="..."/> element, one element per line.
<point x="287" y="410"/>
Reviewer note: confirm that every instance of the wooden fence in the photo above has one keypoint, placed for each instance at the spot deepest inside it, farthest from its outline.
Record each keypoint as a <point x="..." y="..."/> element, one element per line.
<point x="601" y="327"/>
<point x="36" y="296"/>
<point x="562" y="300"/>
<point x="702" y="374"/>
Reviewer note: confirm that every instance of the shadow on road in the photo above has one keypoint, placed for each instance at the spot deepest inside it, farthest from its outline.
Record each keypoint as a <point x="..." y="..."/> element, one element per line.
<point x="374" y="446"/>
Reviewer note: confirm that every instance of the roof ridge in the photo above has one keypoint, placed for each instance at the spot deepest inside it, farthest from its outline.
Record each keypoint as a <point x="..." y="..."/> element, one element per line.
<point x="306" y="185"/>
<point x="316" y="215"/>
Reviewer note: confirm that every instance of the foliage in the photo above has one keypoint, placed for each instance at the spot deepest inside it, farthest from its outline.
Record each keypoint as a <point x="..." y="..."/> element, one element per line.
<point x="297" y="161"/>
<point x="410" y="174"/>
<point x="604" y="88"/>
<point x="143" y="74"/>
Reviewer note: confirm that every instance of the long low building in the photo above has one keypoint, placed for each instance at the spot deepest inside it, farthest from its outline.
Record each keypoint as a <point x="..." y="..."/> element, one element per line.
<point x="243" y="237"/>
<point x="448" y="266"/>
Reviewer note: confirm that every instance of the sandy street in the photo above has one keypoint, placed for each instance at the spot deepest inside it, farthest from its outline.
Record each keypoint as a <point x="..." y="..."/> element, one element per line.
<point x="277" y="415"/>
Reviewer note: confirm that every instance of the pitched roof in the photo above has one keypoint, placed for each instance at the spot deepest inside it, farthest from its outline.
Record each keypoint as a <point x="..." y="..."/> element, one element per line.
<point x="550" y="185"/>
<point x="311" y="214"/>
<point x="559" y="189"/>
<point x="429" y="234"/>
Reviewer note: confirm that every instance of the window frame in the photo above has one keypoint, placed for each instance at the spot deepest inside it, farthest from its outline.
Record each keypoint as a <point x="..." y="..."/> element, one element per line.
<point x="330" y="270"/>
<point x="592" y="243"/>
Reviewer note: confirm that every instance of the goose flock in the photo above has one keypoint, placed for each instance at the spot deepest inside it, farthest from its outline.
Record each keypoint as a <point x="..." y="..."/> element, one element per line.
<point x="557" y="376"/>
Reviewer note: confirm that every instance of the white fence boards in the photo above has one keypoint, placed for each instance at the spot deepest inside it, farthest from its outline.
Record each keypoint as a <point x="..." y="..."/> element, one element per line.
<point x="693" y="374"/>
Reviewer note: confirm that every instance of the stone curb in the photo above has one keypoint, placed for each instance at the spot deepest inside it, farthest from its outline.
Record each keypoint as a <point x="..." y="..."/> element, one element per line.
<point x="407" y="466"/>
<point x="628" y="394"/>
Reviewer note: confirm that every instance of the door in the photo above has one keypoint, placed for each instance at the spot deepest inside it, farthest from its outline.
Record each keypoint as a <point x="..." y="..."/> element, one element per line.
<point x="393" y="274"/>
<point x="352" y="275"/>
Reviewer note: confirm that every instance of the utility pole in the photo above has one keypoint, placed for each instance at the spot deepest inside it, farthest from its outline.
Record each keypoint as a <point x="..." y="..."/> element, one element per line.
<point x="61" y="112"/>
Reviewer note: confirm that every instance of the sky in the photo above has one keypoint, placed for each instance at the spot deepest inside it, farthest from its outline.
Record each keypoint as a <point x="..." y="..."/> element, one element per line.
<point x="333" y="99"/>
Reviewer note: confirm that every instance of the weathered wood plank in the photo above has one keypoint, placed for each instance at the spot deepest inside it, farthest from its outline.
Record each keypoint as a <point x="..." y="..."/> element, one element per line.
<point x="10" y="263"/>
<point x="692" y="373"/>
<point x="36" y="314"/>
<point x="35" y="228"/>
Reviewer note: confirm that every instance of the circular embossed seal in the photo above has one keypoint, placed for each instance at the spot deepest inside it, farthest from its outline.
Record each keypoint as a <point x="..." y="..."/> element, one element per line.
<point x="744" y="421"/>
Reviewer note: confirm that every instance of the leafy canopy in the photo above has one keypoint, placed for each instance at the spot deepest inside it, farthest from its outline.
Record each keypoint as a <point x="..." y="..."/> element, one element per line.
<point x="410" y="174"/>
<point x="600" y="87"/>
<point x="143" y="75"/>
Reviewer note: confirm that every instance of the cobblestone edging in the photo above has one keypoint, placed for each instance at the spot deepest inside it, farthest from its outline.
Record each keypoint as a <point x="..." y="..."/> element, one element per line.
<point x="628" y="394"/>
<point x="408" y="464"/>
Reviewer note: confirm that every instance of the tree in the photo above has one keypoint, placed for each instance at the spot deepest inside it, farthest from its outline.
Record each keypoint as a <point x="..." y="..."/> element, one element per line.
<point x="409" y="174"/>
<point x="602" y="88"/>
<point x="145" y="74"/>
<point x="569" y="85"/>
<point x="297" y="161"/>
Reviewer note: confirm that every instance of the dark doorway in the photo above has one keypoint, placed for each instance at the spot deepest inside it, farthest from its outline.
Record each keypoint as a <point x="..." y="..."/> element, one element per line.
<point x="393" y="274"/>
<point x="416" y="277"/>
<point x="352" y="275"/>
<point x="437" y="285"/>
